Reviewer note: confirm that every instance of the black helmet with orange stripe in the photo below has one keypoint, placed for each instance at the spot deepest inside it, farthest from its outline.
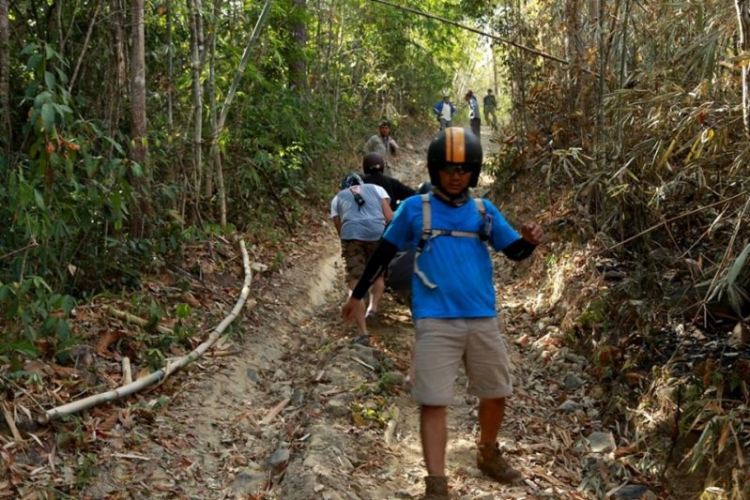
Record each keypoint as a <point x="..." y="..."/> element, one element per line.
<point x="456" y="146"/>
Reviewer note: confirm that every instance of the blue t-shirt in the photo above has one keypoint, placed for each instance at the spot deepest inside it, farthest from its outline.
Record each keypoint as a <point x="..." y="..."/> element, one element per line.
<point x="460" y="266"/>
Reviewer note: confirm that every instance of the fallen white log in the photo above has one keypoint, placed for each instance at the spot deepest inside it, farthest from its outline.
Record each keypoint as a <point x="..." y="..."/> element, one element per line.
<point x="173" y="366"/>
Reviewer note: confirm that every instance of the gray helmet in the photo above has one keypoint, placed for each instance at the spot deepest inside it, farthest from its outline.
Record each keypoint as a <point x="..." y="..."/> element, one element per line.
<point x="351" y="179"/>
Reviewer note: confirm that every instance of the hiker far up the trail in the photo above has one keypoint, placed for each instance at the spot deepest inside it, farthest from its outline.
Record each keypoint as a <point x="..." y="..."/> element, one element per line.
<point x="444" y="111"/>
<point x="383" y="143"/>
<point x="474" y="119"/>
<point x="360" y="213"/>
<point x="373" y="166"/>
<point x="453" y="300"/>
<point x="490" y="106"/>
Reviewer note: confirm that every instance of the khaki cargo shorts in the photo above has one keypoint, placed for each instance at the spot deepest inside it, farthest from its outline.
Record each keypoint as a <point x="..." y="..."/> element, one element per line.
<point x="443" y="344"/>
<point x="356" y="254"/>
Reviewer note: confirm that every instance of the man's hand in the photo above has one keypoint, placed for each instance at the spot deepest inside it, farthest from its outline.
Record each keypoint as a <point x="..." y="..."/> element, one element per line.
<point x="532" y="232"/>
<point x="352" y="309"/>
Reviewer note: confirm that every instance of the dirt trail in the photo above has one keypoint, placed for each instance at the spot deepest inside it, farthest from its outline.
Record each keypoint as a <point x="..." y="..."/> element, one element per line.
<point x="345" y="428"/>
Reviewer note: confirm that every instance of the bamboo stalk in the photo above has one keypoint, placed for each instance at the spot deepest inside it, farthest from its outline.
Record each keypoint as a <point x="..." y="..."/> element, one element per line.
<point x="667" y="221"/>
<point x="131" y="318"/>
<point x="127" y="371"/>
<point x="12" y="424"/>
<point x="162" y="374"/>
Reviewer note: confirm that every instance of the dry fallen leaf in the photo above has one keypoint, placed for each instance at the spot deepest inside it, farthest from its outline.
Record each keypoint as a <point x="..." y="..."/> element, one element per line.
<point x="104" y="342"/>
<point x="63" y="371"/>
<point x="109" y="423"/>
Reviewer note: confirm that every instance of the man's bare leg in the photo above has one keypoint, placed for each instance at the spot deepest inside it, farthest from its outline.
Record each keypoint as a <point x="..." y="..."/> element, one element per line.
<point x="433" y="430"/>
<point x="491" y="414"/>
<point x="376" y="293"/>
<point x="361" y="325"/>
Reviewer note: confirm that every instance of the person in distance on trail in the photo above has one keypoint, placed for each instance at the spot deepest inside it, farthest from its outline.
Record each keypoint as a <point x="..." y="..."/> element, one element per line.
<point x="360" y="213"/>
<point x="474" y="120"/>
<point x="383" y="143"/>
<point x="444" y="111"/>
<point x="373" y="166"/>
<point x="453" y="300"/>
<point x="490" y="105"/>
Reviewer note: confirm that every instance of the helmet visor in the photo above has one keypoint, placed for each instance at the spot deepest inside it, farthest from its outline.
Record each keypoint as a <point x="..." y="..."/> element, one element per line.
<point x="452" y="168"/>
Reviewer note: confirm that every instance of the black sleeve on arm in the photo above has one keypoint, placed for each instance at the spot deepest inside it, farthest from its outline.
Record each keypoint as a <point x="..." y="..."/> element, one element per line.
<point x="378" y="262"/>
<point x="404" y="191"/>
<point x="519" y="249"/>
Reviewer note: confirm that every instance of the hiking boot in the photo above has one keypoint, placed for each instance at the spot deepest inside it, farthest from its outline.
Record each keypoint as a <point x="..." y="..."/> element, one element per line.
<point x="490" y="461"/>
<point x="436" y="488"/>
<point x="372" y="319"/>
<point x="363" y="339"/>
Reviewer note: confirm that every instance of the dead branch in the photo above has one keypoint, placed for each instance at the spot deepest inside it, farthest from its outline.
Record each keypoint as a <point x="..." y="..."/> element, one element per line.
<point x="130" y="318"/>
<point x="274" y="411"/>
<point x="132" y="388"/>
<point x="474" y="30"/>
<point x="676" y="217"/>
<point x="85" y="47"/>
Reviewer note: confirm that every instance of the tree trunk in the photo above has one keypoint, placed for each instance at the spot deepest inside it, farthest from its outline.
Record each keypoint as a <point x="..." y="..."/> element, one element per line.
<point x="138" y="118"/>
<point x="573" y="52"/>
<point x="215" y="153"/>
<point x="602" y="72"/>
<point x="119" y="75"/>
<point x="521" y="73"/>
<point x="170" y="77"/>
<point x="297" y="63"/>
<point x="743" y="28"/>
<point x="194" y="14"/>
<point x="211" y="91"/>
<point x="5" y="126"/>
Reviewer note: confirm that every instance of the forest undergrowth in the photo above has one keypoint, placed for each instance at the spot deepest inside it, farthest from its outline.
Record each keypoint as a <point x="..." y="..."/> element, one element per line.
<point x="649" y="278"/>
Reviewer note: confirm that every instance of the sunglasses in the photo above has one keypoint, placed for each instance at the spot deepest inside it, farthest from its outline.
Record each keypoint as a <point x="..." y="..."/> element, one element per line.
<point x="452" y="168"/>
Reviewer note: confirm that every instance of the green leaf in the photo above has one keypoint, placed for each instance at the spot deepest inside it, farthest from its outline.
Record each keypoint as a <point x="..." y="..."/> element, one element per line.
<point x="39" y="199"/>
<point x="42" y="98"/>
<point x="115" y="144"/>
<point x="48" y="116"/>
<point x="182" y="310"/>
<point x="32" y="47"/>
<point x="136" y="169"/>
<point x="62" y="330"/>
<point x="34" y="62"/>
<point x="49" y="80"/>
<point x="62" y="76"/>
<point x="67" y="304"/>
<point x="49" y="52"/>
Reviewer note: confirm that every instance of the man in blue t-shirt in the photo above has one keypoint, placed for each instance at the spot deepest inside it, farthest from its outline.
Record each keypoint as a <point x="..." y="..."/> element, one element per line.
<point x="453" y="300"/>
<point x="444" y="111"/>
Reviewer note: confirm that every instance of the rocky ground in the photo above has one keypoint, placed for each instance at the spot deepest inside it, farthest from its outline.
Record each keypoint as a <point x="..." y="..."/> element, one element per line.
<point x="295" y="411"/>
